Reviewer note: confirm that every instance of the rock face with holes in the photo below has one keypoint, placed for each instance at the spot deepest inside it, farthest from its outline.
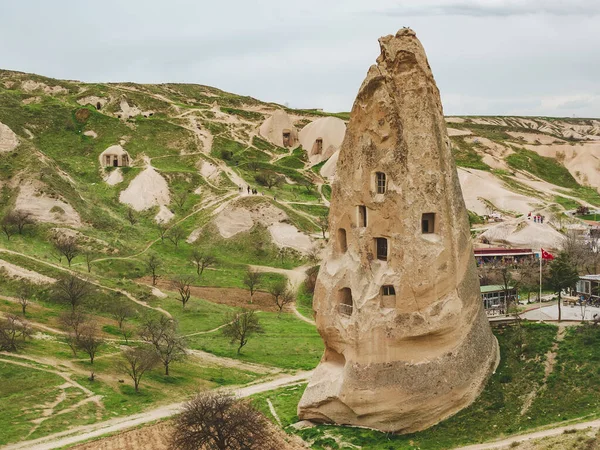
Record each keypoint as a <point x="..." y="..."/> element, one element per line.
<point x="407" y="343"/>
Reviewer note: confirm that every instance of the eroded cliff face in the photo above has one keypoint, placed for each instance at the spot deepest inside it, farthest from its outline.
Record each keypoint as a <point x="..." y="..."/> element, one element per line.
<point x="397" y="299"/>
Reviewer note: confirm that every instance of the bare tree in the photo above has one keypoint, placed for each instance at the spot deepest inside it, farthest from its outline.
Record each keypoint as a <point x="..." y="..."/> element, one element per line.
<point x="137" y="361"/>
<point x="89" y="259"/>
<point x="131" y="216"/>
<point x="153" y="264"/>
<point x="180" y="198"/>
<point x="283" y="252"/>
<point x="8" y="226"/>
<point x="161" y="333"/>
<point x="162" y="231"/>
<point x="240" y="326"/>
<point x="281" y="294"/>
<point x="121" y="310"/>
<point x="72" y="290"/>
<point x="323" y="222"/>
<point x="24" y="294"/>
<point x="215" y="420"/>
<point x="175" y="235"/>
<point x="13" y="332"/>
<point x="252" y="281"/>
<point x="182" y="285"/>
<point x="89" y="342"/>
<point x="20" y="219"/>
<point x="67" y="246"/>
<point x="202" y="260"/>
<point x="74" y="321"/>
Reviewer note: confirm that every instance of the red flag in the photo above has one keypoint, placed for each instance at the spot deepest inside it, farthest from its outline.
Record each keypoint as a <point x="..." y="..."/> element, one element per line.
<point x="546" y="255"/>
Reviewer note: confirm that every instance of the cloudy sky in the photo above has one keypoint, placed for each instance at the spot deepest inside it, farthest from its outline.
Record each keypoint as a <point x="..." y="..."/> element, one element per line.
<point x="525" y="57"/>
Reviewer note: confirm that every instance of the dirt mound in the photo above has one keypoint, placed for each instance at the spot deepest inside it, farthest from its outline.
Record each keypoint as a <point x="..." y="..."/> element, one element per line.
<point x="273" y="128"/>
<point x="90" y="133"/>
<point x="31" y="86"/>
<point x="94" y="101"/>
<point x="322" y="138"/>
<point x="241" y="216"/>
<point x="44" y="208"/>
<point x="13" y="271"/>
<point x="479" y="185"/>
<point x="8" y="139"/>
<point x="164" y="215"/>
<point x="582" y="160"/>
<point x="525" y="233"/>
<point x="456" y="132"/>
<point x="287" y="235"/>
<point x="328" y="169"/>
<point x="147" y="190"/>
<point x="114" y="177"/>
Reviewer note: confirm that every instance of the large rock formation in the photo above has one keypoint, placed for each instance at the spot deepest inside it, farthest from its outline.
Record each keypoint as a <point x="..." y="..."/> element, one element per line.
<point x="397" y="298"/>
<point x="322" y="138"/>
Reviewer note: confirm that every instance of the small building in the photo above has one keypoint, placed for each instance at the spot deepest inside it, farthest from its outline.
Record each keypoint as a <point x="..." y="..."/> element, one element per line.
<point x="114" y="156"/>
<point x="499" y="256"/>
<point x="588" y="286"/>
<point x="494" y="298"/>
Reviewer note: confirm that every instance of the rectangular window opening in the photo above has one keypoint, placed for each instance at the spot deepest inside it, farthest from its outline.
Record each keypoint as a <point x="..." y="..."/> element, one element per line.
<point x="345" y="302"/>
<point x="380" y="181"/>
<point x="342" y="243"/>
<point x="428" y="223"/>
<point x="381" y="247"/>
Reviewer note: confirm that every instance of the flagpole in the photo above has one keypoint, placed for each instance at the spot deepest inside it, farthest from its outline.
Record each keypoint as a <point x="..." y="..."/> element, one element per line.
<point x="540" y="297"/>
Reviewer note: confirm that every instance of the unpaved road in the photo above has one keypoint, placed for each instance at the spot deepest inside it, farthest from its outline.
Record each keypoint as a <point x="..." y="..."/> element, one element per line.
<point x="506" y="443"/>
<point x="83" y="433"/>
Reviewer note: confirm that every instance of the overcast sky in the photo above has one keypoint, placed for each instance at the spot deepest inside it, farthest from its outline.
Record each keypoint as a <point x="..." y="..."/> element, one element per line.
<point x="511" y="57"/>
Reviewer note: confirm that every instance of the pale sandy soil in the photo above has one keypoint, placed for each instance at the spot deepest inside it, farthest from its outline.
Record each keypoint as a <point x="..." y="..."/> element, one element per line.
<point x="330" y="129"/>
<point x="582" y="160"/>
<point x="534" y="138"/>
<point x="525" y="233"/>
<point x="40" y="206"/>
<point x="148" y="189"/>
<point x="93" y="100"/>
<point x="457" y="132"/>
<point x="30" y="86"/>
<point x="287" y="235"/>
<point x="164" y="215"/>
<point x="13" y="271"/>
<point x="237" y="218"/>
<point x="477" y="184"/>
<point x="115" y="176"/>
<point x="30" y="100"/>
<point x="328" y="169"/>
<point x="209" y="170"/>
<point x="454" y="120"/>
<point x="8" y="139"/>
<point x="272" y="128"/>
<point x="90" y="133"/>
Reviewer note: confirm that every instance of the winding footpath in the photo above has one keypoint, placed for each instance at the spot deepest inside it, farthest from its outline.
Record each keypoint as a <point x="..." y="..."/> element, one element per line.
<point x="86" y="432"/>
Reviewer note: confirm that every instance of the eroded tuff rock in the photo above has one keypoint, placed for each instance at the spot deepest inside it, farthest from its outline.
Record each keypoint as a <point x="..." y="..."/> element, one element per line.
<point x="397" y="298"/>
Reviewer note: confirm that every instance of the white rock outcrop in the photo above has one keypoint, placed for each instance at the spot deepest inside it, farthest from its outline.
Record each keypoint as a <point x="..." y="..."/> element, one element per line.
<point x="397" y="302"/>
<point x="279" y="129"/>
<point x="8" y="139"/>
<point x="322" y="138"/>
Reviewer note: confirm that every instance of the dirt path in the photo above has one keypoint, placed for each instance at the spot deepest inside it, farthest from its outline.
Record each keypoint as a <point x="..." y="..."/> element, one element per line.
<point x="83" y="433"/>
<point x="509" y="442"/>
<point x="296" y="276"/>
<point x="232" y="363"/>
<point x="95" y="283"/>
<point x="301" y="317"/>
<point x="548" y="368"/>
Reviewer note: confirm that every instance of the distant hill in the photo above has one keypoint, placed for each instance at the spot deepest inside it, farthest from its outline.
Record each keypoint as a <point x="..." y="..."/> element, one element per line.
<point x="188" y="146"/>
